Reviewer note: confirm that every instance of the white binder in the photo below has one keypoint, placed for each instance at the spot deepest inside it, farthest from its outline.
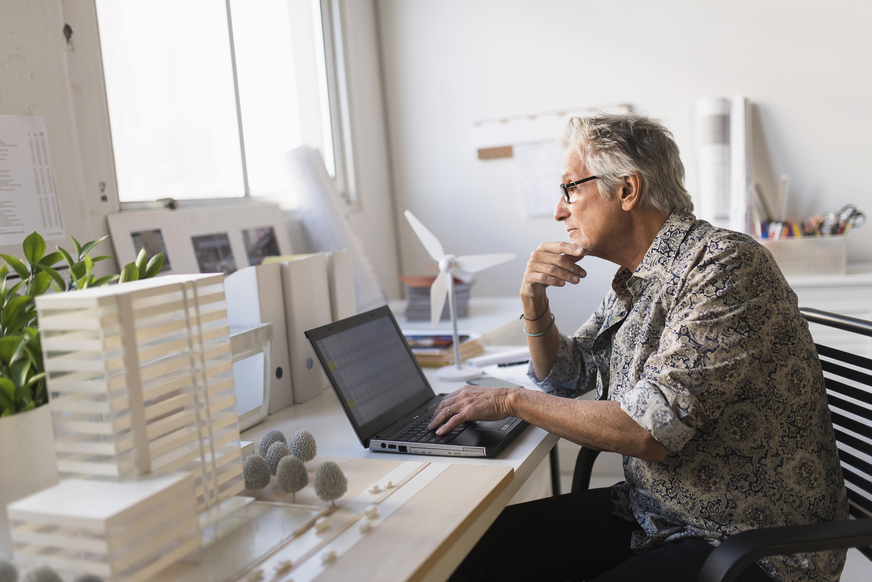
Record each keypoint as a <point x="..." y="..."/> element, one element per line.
<point x="307" y="305"/>
<point x="254" y="296"/>
<point x="340" y="276"/>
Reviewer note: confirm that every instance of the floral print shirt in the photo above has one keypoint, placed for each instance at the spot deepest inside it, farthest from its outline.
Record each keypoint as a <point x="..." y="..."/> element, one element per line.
<point x="704" y="346"/>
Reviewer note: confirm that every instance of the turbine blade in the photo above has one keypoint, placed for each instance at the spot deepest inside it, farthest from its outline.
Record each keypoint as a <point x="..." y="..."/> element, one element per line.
<point x="430" y="242"/>
<point x="438" y="293"/>
<point x="476" y="263"/>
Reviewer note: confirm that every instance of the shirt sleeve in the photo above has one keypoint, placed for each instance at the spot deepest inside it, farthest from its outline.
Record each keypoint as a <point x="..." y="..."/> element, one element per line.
<point x="574" y="369"/>
<point x="716" y="333"/>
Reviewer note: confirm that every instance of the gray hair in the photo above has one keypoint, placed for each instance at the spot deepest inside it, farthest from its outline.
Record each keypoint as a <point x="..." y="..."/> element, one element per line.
<point x="614" y="145"/>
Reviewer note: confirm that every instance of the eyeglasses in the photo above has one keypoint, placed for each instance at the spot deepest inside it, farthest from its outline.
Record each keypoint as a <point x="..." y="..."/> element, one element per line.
<point x="565" y="188"/>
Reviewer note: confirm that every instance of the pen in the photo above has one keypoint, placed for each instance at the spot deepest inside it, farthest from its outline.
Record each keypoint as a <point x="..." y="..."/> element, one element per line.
<point x="518" y="363"/>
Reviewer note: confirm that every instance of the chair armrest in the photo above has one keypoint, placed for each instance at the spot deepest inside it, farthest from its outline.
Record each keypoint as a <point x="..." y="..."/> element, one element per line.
<point x="583" y="469"/>
<point x="741" y="550"/>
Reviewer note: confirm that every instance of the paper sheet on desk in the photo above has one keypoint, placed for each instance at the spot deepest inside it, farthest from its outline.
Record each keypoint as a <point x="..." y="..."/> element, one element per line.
<point x="502" y="357"/>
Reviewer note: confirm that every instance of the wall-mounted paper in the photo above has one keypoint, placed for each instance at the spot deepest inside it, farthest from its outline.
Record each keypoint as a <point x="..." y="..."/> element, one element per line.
<point x="531" y="141"/>
<point x="28" y="199"/>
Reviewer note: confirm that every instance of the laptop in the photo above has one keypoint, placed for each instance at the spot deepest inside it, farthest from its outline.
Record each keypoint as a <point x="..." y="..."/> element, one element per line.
<point x="387" y="397"/>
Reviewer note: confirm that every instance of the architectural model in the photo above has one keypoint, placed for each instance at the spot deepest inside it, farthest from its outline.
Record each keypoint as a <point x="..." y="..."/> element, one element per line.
<point x="144" y="413"/>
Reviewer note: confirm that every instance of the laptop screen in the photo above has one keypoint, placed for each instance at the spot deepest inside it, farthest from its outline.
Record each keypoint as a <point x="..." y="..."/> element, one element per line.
<point x="370" y="366"/>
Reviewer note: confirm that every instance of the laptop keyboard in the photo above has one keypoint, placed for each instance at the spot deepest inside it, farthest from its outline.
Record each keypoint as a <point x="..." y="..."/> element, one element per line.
<point x="417" y="432"/>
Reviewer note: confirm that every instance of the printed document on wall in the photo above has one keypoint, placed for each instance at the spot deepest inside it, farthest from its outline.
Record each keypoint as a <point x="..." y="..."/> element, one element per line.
<point x="539" y="165"/>
<point x="28" y="199"/>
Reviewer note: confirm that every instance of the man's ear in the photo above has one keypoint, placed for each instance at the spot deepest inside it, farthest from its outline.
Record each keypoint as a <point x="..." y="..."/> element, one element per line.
<point x="630" y="192"/>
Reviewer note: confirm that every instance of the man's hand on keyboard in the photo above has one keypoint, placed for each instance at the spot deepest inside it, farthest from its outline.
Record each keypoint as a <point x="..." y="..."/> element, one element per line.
<point x="472" y="403"/>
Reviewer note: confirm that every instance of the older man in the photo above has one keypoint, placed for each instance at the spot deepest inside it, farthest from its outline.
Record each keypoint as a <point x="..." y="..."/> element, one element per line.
<point x="706" y="377"/>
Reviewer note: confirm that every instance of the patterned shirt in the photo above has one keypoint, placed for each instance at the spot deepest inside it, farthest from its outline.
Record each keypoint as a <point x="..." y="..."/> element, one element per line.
<point x="704" y="346"/>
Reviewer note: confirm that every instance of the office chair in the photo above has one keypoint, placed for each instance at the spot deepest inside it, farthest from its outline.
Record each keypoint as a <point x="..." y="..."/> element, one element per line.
<point x="848" y="380"/>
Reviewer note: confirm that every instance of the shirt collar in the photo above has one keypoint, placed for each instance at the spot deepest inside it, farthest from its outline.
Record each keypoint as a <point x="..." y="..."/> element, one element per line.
<point x="661" y="253"/>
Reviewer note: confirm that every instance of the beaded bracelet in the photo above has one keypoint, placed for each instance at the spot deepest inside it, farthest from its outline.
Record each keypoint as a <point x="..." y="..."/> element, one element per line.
<point x="524" y="327"/>
<point x="541" y="316"/>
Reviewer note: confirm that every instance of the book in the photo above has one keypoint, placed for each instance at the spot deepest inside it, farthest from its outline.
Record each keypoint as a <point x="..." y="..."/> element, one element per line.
<point x="436" y="350"/>
<point x="418" y="291"/>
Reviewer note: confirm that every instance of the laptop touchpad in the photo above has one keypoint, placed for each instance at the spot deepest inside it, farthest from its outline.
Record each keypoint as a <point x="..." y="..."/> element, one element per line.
<point x="491" y="424"/>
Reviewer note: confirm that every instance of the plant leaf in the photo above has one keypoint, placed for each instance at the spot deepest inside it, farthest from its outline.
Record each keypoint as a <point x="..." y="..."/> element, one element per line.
<point x="13" y="308"/>
<point x="78" y="269"/>
<point x="59" y="281"/>
<point x="141" y="261"/>
<point x="104" y="280"/>
<point x="74" y="277"/>
<point x="16" y="264"/>
<point x="18" y="372"/>
<point x="7" y="396"/>
<point x="35" y="379"/>
<point x="33" y="247"/>
<point x="7" y="387"/>
<point x="102" y="258"/>
<point x="40" y="283"/>
<point x="154" y="266"/>
<point x="21" y="320"/>
<point x="10" y="348"/>
<point x="129" y="273"/>
<point x="51" y="259"/>
<point x="90" y="245"/>
<point x="15" y="289"/>
<point x="77" y="245"/>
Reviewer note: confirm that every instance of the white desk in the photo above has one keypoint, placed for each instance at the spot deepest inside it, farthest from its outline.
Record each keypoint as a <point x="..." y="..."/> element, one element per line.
<point x="324" y="418"/>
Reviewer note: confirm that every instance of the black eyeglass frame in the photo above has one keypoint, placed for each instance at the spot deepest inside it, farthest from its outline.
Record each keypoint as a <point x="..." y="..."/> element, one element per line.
<point x="567" y="187"/>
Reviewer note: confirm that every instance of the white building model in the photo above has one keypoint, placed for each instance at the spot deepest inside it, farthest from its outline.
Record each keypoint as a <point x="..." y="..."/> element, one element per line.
<point x="143" y="407"/>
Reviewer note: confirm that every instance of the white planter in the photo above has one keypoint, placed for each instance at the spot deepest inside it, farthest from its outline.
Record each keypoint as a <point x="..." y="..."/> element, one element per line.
<point x="27" y="462"/>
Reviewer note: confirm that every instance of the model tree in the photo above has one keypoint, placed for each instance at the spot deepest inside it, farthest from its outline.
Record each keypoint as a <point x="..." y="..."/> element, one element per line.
<point x="291" y="475"/>
<point x="330" y="482"/>
<point x="276" y="452"/>
<point x="302" y="445"/>
<point x="272" y="436"/>
<point x="255" y="472"/>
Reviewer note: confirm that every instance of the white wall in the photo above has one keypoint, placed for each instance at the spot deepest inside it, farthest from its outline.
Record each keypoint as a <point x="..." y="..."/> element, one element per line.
<point x="450" y="63"/>
<point x="41" y="74"/>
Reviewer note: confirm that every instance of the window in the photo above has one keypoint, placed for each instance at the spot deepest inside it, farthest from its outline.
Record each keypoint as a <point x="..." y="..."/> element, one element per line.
<point x="205" y="97"/>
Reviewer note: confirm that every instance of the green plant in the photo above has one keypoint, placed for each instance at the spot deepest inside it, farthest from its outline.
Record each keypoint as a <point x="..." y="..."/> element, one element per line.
<point x="22" y="377"/>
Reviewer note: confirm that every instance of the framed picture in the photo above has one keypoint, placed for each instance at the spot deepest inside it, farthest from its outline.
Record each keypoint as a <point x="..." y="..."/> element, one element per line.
<point x="214" y="254"/>
<point x="260" y="243"/>
<point x="205" y="240"/>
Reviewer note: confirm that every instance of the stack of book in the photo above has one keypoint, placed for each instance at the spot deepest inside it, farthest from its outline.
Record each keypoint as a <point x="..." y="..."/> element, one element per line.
<point x="436" y="350"/>
<point x="418" y="290"/>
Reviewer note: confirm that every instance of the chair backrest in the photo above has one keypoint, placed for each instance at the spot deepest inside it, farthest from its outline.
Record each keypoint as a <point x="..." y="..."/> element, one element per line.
<point x="848" y="379"/>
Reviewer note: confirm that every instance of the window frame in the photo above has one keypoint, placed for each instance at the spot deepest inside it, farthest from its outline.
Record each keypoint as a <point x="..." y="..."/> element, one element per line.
<point x="337" y="114"/>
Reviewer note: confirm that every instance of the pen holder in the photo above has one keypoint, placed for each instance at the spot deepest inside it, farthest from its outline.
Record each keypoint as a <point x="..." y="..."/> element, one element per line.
<point x="825" y="255"/>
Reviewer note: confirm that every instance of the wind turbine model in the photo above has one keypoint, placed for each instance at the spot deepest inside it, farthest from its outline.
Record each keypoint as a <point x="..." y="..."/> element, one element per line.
<point x="444" y="285"/>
